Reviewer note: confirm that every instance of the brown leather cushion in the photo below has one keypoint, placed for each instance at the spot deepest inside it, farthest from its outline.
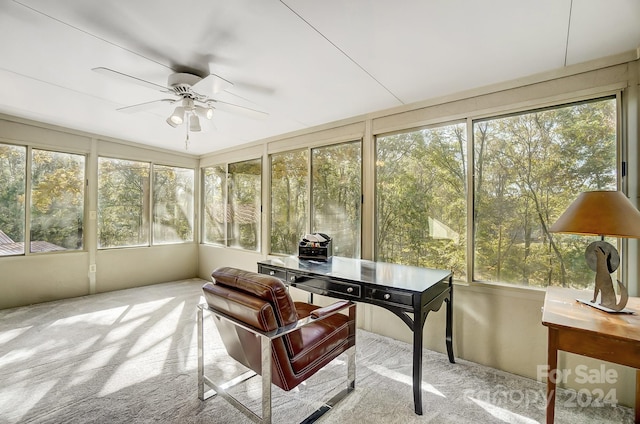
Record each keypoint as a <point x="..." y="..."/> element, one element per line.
<point x="262" y="286"/>
<point x="320" y="338"/>
<point x="254" y="311"/>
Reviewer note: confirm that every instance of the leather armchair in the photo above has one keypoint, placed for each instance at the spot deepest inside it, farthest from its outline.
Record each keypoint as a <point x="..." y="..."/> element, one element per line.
<point x="285" y="342"/>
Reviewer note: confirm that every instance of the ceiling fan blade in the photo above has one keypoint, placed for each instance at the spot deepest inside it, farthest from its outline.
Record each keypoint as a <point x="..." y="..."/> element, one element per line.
<point x="131" y="79"/>
<point x="230" y="107"/>
<point x="211" y="84"/>
<point x="145" y="106"/>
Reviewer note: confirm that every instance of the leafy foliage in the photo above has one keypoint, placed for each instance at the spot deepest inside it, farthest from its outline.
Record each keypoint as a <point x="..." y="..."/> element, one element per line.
<point x="12" y="191"/>
<point x="172" y="204"/>
<point x="57" y="198"/>
<point x="123" y="203"/>
<point x="289" y="197"/>
<point x="421" y="198"/>
<point x="528" y="169"/>
<point x="245" y="204"/>
<point x="214" y="204"/>
<point x="336" y="181"/>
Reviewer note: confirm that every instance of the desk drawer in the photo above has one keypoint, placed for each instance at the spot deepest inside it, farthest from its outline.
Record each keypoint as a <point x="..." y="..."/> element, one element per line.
<point x="325" y="287"/>
<point x="274" y="272"/>
<point x="389" y="296"/>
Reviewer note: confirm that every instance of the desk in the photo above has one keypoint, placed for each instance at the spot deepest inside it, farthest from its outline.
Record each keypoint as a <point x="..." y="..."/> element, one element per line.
<point x="581" y="329"/>
<point x="407" y="291"/>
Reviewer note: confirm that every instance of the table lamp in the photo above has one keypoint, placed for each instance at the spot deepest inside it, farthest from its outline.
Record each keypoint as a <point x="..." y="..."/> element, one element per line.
<point x="602" y="213"/>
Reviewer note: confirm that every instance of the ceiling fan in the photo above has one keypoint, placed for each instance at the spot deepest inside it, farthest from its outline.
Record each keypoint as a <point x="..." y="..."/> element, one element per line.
<point x="192" y="93"/>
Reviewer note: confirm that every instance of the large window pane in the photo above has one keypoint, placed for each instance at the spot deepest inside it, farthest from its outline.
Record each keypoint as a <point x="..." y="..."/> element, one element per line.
<point x="244" y="204"/>
<point x="336" y="180"/>
<point x="528" y="169"/>
<point x="57" y="201"/>
<point x="289" y="197"/>
<point x="421" y="198"/>
<point x="12" y="200"/>
<point x="214" y="204"/>
<point x="123" y="203"/>
<point x="172" y="204"/>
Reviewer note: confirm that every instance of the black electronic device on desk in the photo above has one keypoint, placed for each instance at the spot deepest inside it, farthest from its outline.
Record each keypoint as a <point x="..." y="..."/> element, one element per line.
<point x="316" y="246"/>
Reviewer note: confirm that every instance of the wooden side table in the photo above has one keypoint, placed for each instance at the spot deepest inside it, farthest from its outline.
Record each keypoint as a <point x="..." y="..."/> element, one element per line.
<point x="578" y="328"/>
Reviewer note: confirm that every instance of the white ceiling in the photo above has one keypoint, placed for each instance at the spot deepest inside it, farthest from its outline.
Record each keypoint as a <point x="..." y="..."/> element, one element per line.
<point x="304" y="62"/>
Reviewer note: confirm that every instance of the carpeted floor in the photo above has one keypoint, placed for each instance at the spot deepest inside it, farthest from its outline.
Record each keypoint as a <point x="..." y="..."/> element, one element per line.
<point x="130" y="357"/>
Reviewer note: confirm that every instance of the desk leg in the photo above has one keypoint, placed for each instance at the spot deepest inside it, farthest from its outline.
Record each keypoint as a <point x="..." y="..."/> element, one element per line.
<point x="417" y="361"/>
<point x="449" y="329"/>
<point x="552" y="360"/>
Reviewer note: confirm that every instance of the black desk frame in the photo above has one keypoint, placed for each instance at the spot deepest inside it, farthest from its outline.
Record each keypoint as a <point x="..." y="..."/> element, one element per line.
<point x="422" y="298"/>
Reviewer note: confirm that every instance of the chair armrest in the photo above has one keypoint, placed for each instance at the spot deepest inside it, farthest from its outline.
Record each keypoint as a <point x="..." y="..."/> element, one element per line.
<point x="329" y="310"/>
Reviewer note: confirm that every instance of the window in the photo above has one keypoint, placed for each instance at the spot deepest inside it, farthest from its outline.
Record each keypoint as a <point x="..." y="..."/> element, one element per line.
<point x="56" y="187"/>
<point x="57" y="201"/>
<point x="421" y="198"/>
<point x="289" y="197"/>
<point x="123" y="203"/>
<point x="214" y="183"/>
<point x="336" y="181"/>
<point x="528" y="169"/>
<point x="244" y="204"/>
<point x="172" y="204"/>
<point x="232" y="204"/>
<point x="13" y="161"/>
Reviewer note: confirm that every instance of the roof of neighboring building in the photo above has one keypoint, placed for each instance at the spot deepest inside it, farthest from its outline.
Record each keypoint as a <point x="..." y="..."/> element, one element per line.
<point x="5" y="238"/>
<point x="17" y="248"/>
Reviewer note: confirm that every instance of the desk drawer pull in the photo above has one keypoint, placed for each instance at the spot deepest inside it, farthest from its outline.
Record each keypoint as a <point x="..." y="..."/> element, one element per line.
<point x="387" y="296"/>
<point x="272" y="273"/>
<point x="350" y="290"/>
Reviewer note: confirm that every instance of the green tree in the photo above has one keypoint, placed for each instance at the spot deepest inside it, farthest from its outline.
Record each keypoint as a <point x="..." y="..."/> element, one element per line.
<point x="529" y="168"/>
<point x="57" y="198"/>
<point x="289" y="197"/>
<point x="336" y="181"/>
<point x="123" y="203"/>
<point x="421" y="198"/>
<point x="12" y="191"/>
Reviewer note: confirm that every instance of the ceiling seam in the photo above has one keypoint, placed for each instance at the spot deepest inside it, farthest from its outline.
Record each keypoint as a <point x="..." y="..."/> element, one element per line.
<point x="566" y="44"/>
<point x="342" y="51"/>
<point x="90" y="34"/>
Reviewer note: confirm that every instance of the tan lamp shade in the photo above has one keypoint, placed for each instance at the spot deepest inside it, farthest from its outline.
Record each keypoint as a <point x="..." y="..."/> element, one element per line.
<point x="604" y="213"/>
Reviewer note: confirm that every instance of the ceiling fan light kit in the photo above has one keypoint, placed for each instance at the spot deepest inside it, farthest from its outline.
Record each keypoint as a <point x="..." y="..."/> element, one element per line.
<point x="194" y="124"/>
<point x="188" y="88"/>
<point x="177" y="117"/>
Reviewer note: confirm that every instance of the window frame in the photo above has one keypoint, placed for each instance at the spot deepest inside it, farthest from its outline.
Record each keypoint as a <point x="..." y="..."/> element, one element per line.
<point x="466" y="165"/>
<point x="28" y="187"/>
<point x="226" y="199"/>
<point x="621" y="180"/>
<point x="149" y="199"/>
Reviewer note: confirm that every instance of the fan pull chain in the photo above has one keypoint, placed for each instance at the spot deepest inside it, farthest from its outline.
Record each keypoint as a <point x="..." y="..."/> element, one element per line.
<point x="186" y="141"/>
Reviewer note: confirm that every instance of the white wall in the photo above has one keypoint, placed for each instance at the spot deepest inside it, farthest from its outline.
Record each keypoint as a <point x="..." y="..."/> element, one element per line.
<point x="42" y="277"/>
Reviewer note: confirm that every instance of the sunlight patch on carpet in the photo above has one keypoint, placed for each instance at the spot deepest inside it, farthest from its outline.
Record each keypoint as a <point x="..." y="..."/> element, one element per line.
<point x="503" y="414"/>
<point x="405" y="379"/>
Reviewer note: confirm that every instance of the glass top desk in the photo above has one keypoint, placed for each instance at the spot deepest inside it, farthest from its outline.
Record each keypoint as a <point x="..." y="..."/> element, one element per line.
<point x="409" y="292"/>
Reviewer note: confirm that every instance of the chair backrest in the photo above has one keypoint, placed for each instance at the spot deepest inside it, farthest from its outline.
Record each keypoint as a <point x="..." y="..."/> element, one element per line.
<point x="264" y="287"/>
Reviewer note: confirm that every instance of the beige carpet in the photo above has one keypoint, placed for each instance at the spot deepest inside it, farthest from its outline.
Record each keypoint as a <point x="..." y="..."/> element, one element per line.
<point x="130" y="357"/>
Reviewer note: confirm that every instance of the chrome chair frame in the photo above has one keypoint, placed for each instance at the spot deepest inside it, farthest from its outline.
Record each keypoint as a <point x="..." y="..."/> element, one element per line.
<point x="265" y="344"/>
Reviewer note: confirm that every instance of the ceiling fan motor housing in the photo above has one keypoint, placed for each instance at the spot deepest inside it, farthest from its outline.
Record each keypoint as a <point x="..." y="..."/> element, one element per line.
<point x="181" y="83"/>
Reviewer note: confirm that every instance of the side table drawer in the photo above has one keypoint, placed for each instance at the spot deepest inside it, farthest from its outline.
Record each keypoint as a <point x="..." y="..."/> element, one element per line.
<point x="389" y="296"/>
